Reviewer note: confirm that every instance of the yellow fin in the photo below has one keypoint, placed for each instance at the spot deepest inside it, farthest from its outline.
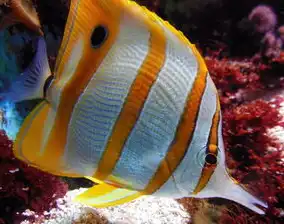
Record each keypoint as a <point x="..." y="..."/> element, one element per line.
<point x="29" y="139"/>
<point x="113" y="181"/>
<point x="104" y="195"/>
<point x="95" y="180"/>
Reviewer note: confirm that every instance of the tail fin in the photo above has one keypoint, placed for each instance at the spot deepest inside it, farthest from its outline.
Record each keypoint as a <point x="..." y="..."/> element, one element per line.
<point x="30" y="84"/>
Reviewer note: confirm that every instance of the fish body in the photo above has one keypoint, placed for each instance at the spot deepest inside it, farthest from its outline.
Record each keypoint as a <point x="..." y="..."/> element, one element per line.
<point x="131" y="106"/>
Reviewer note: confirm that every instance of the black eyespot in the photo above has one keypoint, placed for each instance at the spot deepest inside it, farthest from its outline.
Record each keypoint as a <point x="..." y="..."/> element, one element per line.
<point x="210" y="159"/>
<point x="47" y="84"/>
<point x="99" y="36"/>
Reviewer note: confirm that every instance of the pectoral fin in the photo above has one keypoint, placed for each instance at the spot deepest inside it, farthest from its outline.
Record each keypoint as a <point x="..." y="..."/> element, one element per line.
<point x="104" y="195"/>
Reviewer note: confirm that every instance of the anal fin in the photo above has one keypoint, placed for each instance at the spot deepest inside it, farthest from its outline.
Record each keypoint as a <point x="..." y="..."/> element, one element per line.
<point x="105" y="195"/>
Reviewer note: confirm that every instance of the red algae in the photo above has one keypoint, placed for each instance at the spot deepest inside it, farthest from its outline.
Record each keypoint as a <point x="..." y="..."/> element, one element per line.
<point x="234" y="79"/>
<point x="23" y="187"/>
<point x="254" y="157"/>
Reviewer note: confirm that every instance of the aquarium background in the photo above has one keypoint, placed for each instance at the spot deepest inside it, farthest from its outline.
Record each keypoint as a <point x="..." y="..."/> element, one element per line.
<point x="243" y="45"/>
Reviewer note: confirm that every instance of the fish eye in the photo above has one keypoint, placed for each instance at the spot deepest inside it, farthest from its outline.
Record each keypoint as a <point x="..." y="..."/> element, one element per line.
<point x="47" y="84"/>
<point x="210" y="159"/>
<point x="99" y="36"/>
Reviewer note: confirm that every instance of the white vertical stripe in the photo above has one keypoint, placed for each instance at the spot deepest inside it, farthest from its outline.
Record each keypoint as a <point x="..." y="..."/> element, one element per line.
<point x="187" y="174"/>
<point x="149" y="140"/>
<point x="99" y="105"/>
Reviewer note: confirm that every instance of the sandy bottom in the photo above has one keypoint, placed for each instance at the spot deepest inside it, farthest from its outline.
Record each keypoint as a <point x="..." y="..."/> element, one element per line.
<point x="146" y="210"/>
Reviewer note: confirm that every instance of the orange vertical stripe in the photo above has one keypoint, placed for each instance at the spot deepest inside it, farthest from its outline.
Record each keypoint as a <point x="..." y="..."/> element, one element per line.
<point x="134" y="102"/>
<point x="184" y="130"/>
<point x="212" y="144"/>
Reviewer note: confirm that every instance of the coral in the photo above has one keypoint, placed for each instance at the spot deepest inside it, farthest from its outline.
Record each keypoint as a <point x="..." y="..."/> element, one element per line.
<point x="23" y="187"/>
<point x="265" y="22"/>
<point x="281" y="32"/>
<point x="91" y="218"/>
<point x="264" y="18"/>
<point x="250" y="151"/>
<point x="234" y="79"/>
<point x="272" y="45"/>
